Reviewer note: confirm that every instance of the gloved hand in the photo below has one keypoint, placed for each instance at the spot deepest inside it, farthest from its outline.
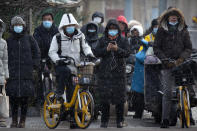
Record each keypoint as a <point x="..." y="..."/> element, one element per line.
<point x="179" y="61"/>
<point x="144" y="41"/>
<point x="59" y="62"/>
<point x="91" y="57"/>
<point x="168" y="64"/>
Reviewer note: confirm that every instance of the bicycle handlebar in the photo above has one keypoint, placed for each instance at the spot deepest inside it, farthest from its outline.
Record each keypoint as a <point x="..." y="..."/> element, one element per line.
<point x="69" y="60"/>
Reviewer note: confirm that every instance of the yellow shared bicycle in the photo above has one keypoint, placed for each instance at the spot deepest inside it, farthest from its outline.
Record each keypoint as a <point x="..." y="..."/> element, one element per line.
<point x="82" y="101"/>
<point x="184" y="78"/>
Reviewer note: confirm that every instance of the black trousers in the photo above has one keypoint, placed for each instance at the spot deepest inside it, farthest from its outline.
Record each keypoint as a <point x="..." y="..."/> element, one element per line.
<point x="63" y="76"/>
<point x="17" y="102"/>
<point x="138" y="104"/>
<point x="105" y="109"/>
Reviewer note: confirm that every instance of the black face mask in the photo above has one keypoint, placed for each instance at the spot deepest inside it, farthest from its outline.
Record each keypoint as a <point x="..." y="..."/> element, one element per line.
<point x="172" y="28"/>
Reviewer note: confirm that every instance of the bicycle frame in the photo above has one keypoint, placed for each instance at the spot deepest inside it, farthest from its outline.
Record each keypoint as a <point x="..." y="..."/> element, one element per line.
<point x="73" y="99"/>
<point x="70" y="104"/>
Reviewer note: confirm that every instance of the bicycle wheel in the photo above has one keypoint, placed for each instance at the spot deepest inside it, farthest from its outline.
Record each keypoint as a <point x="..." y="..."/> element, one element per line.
<point x="84" y="114"/>
<point x="51" y="111"/>
<point x="185" y="111"/>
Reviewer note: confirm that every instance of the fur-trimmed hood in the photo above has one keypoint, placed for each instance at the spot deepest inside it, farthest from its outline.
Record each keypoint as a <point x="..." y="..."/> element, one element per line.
<point x="132" y="23"/>
<point x="139" y="28"/>
<point x="163" y="19"/>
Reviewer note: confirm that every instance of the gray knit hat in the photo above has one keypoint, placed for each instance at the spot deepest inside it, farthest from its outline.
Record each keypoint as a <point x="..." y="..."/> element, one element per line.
<point x="17" y="20"/>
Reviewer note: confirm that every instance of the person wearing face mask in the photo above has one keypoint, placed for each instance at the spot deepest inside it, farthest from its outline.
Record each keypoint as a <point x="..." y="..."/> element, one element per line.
<point x="69" y="42"/>
<point x="154" y="26"/>
<point x="97" y="18"/>
<point x="4" y="75"/>
<point x="92" y="35"/>
<point x="139" y="47"/>
<point x="92" y="40"/>
<point x="23" y="56"/>
<point x="172" y="41"/>
<point x="43" y="35"/>
<point x="113" y="49"/>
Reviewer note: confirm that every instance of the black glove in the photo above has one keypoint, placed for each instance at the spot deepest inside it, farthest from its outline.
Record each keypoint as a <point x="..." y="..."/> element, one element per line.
<point x="91" y="57"/>
<point x="59" y="62"/>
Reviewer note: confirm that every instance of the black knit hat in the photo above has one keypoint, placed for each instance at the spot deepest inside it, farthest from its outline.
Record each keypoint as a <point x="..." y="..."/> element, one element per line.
<point x="154" y="22"/>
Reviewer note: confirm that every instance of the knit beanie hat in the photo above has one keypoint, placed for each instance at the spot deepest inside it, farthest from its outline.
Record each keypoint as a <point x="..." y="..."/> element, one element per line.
<point x="17" y="20"/>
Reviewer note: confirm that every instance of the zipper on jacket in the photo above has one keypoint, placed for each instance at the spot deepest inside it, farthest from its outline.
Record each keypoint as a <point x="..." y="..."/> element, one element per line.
<point x="19" y="70"/>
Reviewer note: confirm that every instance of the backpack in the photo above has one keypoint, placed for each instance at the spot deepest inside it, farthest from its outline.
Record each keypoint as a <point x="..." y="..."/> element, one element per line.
<point x="58" y="38"/>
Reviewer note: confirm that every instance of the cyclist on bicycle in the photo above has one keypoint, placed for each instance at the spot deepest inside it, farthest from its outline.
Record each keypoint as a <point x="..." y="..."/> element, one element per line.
<point x="43" y="35"/>
<point x="172" y="42"/>
<point x="70" y="42"/>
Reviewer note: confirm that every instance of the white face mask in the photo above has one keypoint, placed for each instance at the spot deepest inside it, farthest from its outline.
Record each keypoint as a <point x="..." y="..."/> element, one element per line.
<point x="97" y="20"/>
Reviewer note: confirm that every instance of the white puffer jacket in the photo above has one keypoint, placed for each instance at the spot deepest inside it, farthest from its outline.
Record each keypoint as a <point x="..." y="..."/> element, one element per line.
<point x="69" y="47"/>
<point x="4" y="73"/>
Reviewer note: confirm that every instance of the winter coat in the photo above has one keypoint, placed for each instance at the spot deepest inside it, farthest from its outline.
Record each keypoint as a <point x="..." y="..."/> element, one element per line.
<point x="4" y="73"/>
<point x="111" y="75"/>
<point x="172" y="44"/>
<point x="101" y="28"/>
<point x="137" y="84"/>
<point x="150" y="38"/>
<point x="123" y="20"/>
<point x="44" y="37"/>
<point x="69" y="46"/>
<point x="92" y="38"/>
<point x="23" y="55"/>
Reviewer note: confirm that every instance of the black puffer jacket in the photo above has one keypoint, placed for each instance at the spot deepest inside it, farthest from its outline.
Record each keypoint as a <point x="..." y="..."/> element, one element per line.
<point x="44" y="38"/>
<point x="23" y="55"/>
<point x="174" y="43"/>
<point x="111" y="74"/>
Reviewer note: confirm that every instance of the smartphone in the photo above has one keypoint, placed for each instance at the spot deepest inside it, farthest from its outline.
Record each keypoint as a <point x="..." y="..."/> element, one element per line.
<point x="113" y="42"/>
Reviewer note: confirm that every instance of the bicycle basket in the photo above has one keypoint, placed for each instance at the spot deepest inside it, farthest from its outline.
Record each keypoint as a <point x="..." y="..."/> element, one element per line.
<point x="86" y="70"/>
<point x="86" y="76"/>
<point x="183" y="75"/>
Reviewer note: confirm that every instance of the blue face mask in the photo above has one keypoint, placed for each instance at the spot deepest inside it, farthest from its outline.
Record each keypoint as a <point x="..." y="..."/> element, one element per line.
<point x="18" y="29"/>
<point x="91" y="30"/>
<point x="113" y="32"/>
<point x="173" y="23"/>
<point x="70" y="29"/>
<point x="47" y="24"/>
<point x="155" y="30"/>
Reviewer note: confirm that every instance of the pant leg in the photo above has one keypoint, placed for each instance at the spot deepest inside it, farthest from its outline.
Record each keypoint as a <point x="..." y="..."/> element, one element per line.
<point x="1" y="88"/>
<point x="24" y="107"/>
<point x="105" y="109"/>
<point x="63" y="76"/>
<point x="139" y="105"/>
<point x="14" y="102"/>
<point x="39" y="91"/>
<point x="119" y="112"/>
<point x="167" y="84"/>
